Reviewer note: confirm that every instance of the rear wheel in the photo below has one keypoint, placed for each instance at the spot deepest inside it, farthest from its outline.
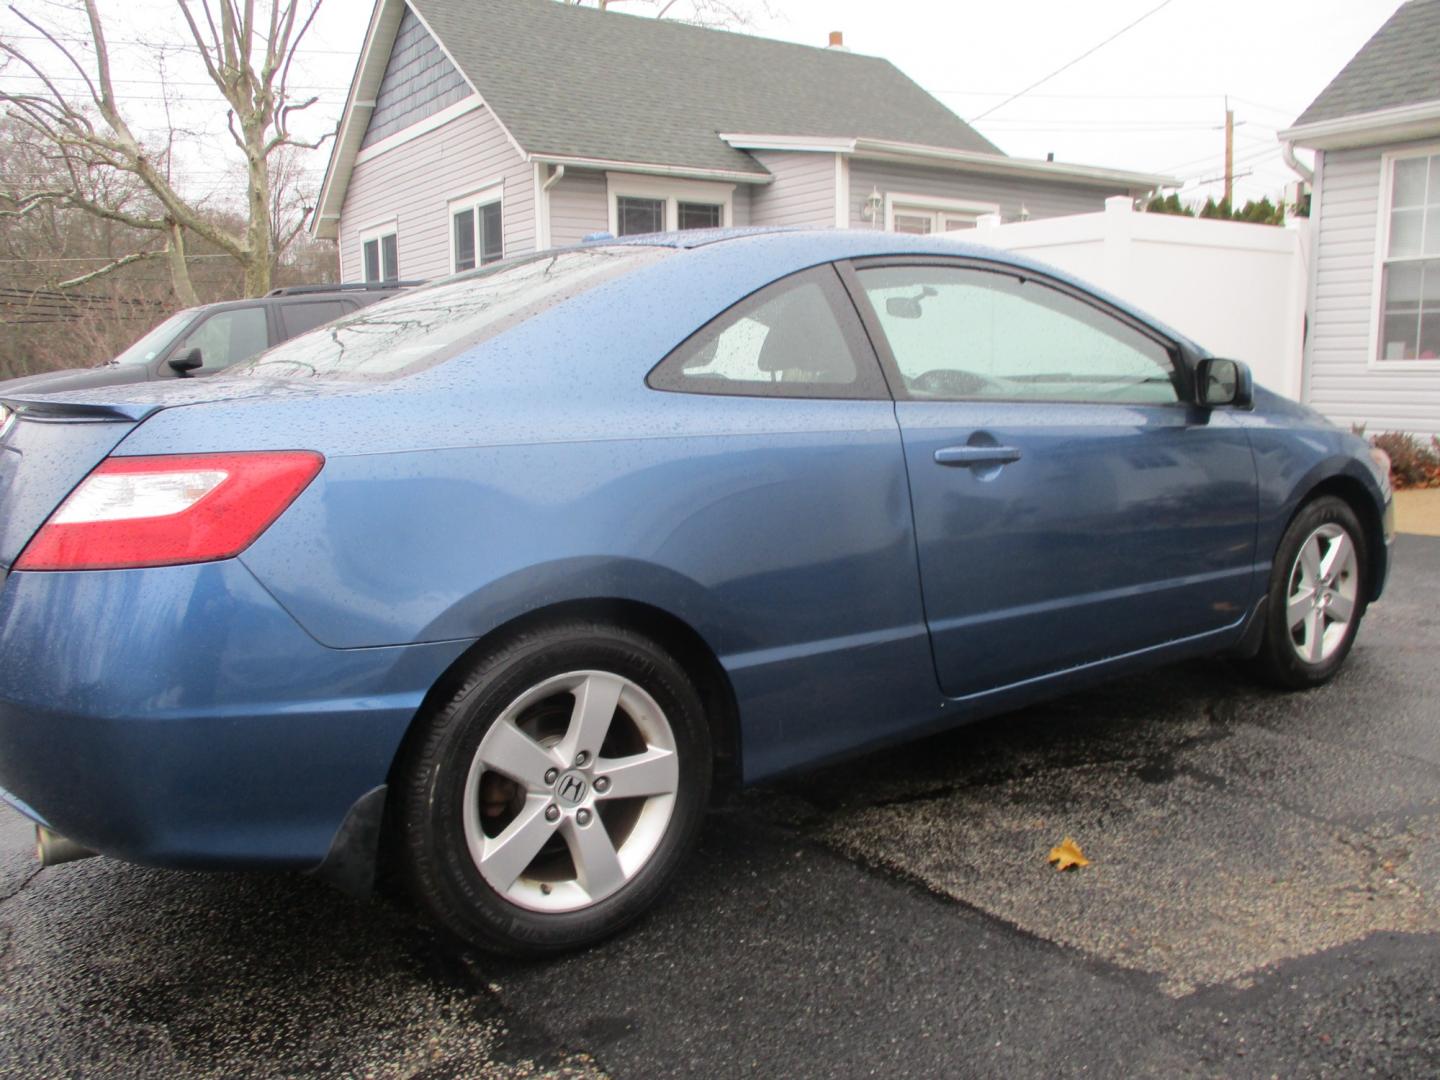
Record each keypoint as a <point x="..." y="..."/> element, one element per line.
<point x="1317" y="596"/>
<point x="549" y="802"/>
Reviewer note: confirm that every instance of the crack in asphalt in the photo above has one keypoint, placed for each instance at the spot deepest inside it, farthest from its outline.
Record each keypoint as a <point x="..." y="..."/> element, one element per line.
<point x="5" y="898"/>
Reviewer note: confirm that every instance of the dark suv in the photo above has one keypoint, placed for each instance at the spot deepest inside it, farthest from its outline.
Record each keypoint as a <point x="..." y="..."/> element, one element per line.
<point x="206" y="339"/>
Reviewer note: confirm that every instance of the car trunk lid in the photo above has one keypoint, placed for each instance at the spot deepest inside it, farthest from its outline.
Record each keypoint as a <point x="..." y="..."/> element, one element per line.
<point x="46" y="448"/>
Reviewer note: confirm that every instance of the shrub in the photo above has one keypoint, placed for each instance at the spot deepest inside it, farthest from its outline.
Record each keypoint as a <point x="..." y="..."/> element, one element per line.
<point x="1412" y="462"/>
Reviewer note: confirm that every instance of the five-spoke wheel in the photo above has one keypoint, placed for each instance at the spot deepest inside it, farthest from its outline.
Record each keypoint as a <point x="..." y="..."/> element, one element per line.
<point x="570" y="791"/>
<point x="1316" y="596"/>
<point x="1324" y="585"/>
<point x="554" y="795"/>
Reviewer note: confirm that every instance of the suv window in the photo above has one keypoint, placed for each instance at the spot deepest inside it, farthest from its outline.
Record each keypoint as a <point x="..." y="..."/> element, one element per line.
<point x="227" y="337"/>
<point x="959" y="334"/>
<point x="799" y="337"/>
<point x="300" y="317"/>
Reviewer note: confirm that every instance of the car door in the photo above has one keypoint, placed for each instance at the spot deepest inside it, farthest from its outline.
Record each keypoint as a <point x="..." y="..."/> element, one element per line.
<point x="1071" y="506"/>
<point x="224" y="338"/>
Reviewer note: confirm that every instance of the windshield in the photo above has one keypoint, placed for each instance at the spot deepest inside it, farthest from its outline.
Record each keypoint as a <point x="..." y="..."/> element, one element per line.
<point x="427" y="326"/>
<point x="156" y="341"/>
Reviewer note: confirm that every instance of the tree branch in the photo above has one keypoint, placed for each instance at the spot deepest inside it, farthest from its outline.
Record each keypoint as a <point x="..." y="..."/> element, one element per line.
<point x="123" y="261"/>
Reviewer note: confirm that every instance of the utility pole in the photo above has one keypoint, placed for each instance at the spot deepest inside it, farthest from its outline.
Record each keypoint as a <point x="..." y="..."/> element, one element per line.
<point x="1229" y="153"/>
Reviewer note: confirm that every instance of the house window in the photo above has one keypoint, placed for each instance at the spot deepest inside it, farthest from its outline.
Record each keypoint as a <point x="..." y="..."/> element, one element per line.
<point x="476" y="230"/>
<point x="637" y="215"/>
<point x="922" y="215"/>
<point x="700" y="215"/>
<point x="1410" y="275"/>
<point x="381" y="251"/>
<point x="650" y="204"/>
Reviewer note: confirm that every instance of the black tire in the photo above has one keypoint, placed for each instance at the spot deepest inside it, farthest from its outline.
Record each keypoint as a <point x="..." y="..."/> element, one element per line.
<point x="1279" y="662"/>
<point x="430" y="786"/>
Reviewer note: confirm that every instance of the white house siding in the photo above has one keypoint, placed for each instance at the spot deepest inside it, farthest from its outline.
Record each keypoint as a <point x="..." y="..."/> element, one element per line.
<point x="578" y="207"/>
<point x="1038" y="198"/>
<point x="803" y="192"/>
<point x="414" y="182"/>
<point x="1340" y="381"/>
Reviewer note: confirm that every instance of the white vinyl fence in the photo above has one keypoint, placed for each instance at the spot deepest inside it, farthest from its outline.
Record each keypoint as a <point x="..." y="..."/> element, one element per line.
<point x="1237" y="289"/>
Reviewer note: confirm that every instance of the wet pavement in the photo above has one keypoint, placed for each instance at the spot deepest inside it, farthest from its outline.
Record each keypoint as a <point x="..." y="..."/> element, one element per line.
<point x="1262" y="900"/>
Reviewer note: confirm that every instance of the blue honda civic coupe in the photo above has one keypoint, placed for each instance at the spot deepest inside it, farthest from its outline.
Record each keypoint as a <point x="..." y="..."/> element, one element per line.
<point x="496" y="580"/>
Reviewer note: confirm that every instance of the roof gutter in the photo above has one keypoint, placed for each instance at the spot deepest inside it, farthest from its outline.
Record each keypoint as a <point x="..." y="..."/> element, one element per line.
<point x="650" y="169"/>
<point x="1010" y="166"/>
<point x="969" y="160"/>
<point x="1399" y="124"/>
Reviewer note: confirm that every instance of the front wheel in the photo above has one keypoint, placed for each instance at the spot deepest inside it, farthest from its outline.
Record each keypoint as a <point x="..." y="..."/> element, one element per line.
<point x="1317" y="596"/>
<point x="549" y="802"/>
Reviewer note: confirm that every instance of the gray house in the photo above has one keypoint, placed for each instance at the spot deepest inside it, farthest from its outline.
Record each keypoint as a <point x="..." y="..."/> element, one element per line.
<point x="476" y="129"/>
<point x="1372" y="354"/>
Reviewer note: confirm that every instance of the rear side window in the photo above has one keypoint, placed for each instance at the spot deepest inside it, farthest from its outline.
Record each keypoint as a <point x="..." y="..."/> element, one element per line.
<point x="799" y="337"/>
<point x="299" y="318"/>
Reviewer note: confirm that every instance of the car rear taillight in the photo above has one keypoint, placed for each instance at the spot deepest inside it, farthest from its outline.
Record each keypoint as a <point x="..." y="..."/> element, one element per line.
<point x="160" y="511"/>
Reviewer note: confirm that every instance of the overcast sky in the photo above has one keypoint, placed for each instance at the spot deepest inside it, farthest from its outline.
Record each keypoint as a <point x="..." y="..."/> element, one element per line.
<point x="1153" y="99"/>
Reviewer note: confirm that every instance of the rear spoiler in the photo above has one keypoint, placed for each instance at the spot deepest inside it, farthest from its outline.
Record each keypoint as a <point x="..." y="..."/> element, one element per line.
<point x="70" y="412"/>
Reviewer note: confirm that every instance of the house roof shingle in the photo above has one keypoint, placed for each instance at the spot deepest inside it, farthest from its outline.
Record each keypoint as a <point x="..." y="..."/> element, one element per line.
<point x="1398" y="66"/>
<point x="590" y="84"/>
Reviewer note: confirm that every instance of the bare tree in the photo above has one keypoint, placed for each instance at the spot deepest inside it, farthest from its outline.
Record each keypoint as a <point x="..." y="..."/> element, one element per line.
<point x="247" y="47"/>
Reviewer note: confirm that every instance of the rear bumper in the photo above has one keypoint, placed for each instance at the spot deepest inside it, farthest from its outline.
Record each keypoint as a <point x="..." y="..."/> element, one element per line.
<point x="179" y="716"/>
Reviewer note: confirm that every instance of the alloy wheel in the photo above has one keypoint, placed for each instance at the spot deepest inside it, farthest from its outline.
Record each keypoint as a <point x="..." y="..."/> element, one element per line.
<point x="570" y="791"/>
<point x="1323" y="589"/>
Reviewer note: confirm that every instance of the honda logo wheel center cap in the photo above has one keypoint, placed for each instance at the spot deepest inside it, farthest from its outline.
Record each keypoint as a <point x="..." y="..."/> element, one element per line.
<point x="571" y="788"/>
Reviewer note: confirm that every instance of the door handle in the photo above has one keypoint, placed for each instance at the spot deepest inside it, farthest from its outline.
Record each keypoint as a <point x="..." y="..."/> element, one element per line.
<point x="976" y="455"/>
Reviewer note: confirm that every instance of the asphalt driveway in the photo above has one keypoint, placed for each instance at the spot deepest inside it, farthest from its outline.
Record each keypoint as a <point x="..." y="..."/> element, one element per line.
<point x="1262" y="900"/>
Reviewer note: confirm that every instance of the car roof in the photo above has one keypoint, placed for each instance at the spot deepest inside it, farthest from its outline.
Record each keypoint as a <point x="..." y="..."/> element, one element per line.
<point x="801" y="247"/>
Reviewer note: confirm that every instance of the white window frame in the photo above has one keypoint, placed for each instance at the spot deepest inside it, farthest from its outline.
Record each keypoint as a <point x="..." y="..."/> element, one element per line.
<point x="493" y="191"/>
<point x="936" y="205"/>
<point x="377" y="232"/>
<point x="674" y="191"/>
<point x="1374" y="360"/>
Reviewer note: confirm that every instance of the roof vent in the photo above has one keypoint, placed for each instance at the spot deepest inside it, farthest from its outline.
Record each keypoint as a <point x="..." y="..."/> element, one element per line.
<point x="837" y="40"/>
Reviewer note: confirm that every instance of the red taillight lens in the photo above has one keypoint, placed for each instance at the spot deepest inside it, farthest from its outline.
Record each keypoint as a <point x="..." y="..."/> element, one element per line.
<point x="160" y="511"/>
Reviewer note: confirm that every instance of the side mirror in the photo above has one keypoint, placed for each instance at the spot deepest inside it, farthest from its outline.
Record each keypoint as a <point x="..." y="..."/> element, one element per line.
<point x="1224" y="382"/>
<point x="187" y="361"/>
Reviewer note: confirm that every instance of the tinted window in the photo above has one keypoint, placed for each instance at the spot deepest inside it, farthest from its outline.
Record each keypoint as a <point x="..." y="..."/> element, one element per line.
<point x="299" y="318"/>
<point x="421" y="327"/>
<point x="960" y="334"/>
<point x="797" y="338"/>
<point x="227" y="337"/>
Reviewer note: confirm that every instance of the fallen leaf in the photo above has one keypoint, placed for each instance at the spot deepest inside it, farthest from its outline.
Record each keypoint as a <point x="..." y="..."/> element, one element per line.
<point x="1067" y="854"/>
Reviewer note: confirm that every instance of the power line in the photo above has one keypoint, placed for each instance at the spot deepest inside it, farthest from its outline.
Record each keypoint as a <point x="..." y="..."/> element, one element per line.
<point x="1088" y="52"/>
<point x="81" y="39"/>
<point x="164" y="83"/>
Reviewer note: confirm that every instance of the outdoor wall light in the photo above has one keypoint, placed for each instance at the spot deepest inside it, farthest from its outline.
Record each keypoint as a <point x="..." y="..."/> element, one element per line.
<point x="874" y="203"/>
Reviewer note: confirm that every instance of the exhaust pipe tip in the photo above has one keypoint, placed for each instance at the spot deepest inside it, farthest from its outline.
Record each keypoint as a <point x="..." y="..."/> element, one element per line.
<point x="52" y="849"/>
